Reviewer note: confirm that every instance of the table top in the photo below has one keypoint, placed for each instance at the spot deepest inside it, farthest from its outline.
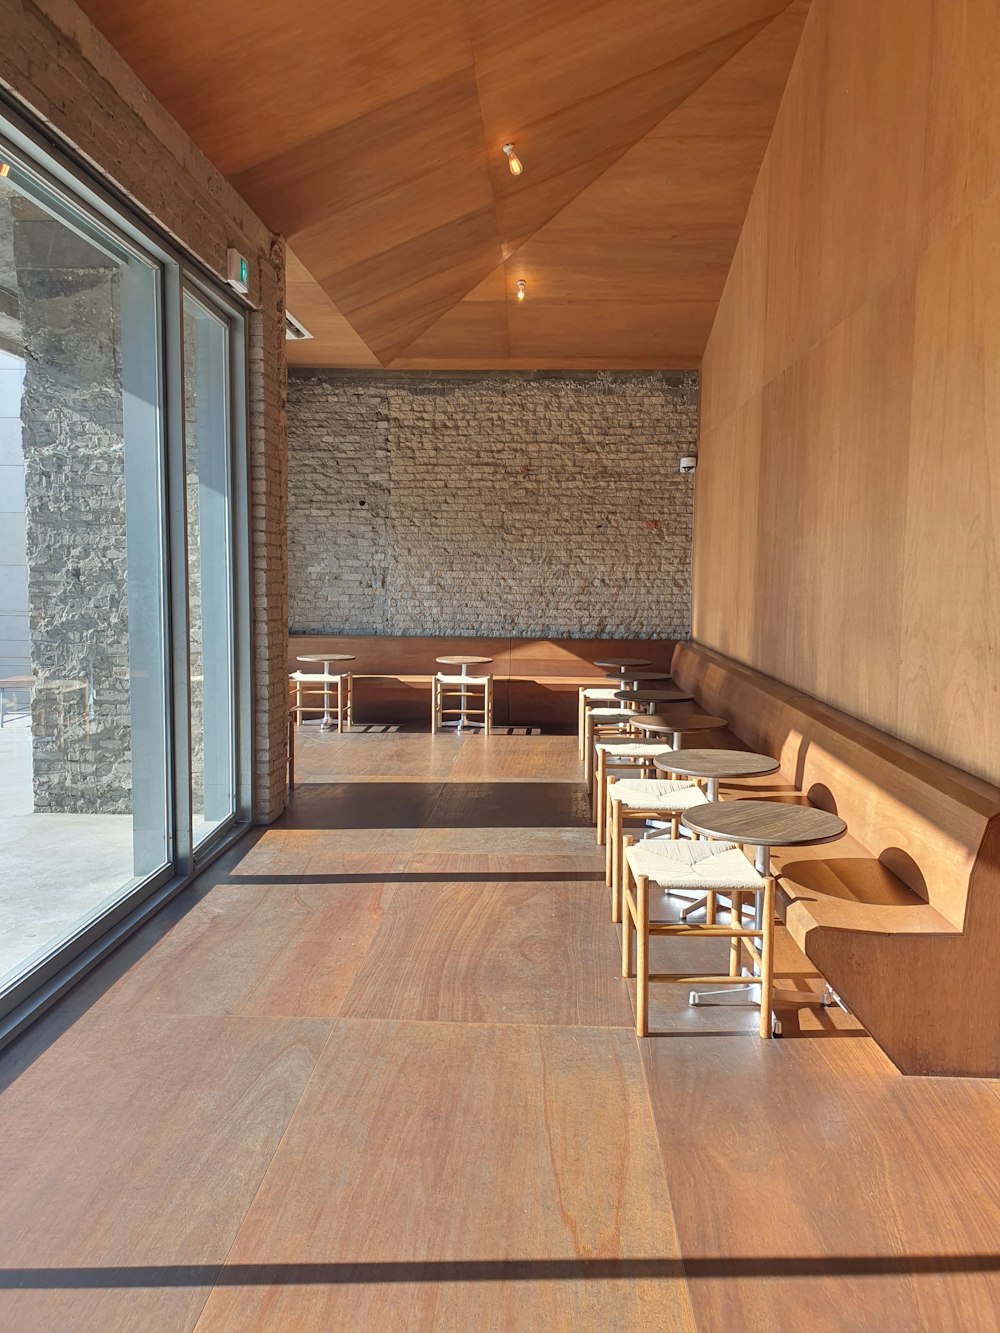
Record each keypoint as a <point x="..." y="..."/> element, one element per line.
<point x="654" y="696"/>
<point x="766" y="823"/>
<point x="326" y="657"/>
<point x="680" y="722"/>
<point x="638" y="675"/>
<point x="718" y="764"/>
<point x="624" y="662"/>
<point x="460" y="660"/>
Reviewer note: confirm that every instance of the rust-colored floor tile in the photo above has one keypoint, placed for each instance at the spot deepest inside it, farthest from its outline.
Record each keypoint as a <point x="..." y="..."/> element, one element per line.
<point x="453" y="1177"/>
<point x="503" y="952"/>
<point x="276" y="950"/>
<point x="130" y="1150"/>
<point x="517" y="759"/>
<point x="824" y="1195"/>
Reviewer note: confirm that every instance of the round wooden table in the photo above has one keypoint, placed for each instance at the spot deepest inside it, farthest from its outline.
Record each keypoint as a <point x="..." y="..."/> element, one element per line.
<point x="620" y="664"/>
<point x="638" y="677"/>
<point x="717" y="764"/>
<point x="327" y="659"/>
<point x="677" y="724"/>
<point x="766" y="824"/>
<point x="654" y="697"/>
<point x="464" y="661"/>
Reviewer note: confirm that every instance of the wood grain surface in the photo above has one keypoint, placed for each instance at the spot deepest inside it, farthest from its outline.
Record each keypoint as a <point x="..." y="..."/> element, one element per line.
<point x="861" y="306"/>
<point x="473" y="1137"/>
<point x="721" y="764"/>
<point x="370" y="137"/>
<point x="766" y="823"/>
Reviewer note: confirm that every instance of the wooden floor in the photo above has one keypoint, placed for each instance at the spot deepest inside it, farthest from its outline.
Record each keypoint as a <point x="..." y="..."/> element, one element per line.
<point x="377" y="1071"/>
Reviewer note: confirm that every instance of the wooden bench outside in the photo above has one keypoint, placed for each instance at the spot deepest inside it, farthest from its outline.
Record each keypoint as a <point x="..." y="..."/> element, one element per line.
<point x="902" y="917"/>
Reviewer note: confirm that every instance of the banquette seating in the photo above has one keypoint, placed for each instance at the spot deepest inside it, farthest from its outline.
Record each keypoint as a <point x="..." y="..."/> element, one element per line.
<point x="536" y="682"/>
<point x="902" y="916"/>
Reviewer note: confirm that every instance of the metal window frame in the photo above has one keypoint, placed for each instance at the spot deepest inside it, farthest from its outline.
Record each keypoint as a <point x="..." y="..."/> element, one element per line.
<point x="111" y="222"/>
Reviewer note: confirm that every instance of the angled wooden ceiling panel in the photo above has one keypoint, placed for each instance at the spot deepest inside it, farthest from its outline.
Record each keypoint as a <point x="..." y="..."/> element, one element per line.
<point x="632" y="269"/>
<point x="370" y="136"/>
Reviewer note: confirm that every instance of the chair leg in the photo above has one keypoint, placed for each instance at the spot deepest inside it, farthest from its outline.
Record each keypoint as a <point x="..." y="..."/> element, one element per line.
<point x="642" y="957"/>
<point x="710" y="902"/>
<point x="298" y="703"/>
<point x="588" y="749"/>
<point x="434" y="706"/>
<point x="735" y="920"/>
<point x="601" y="796"/>
<point x="767" y="959"/>
<point x="581" y="721"/>
<point x="488" y="710"/>
<point x="617" y="824"/>
<point x="626" y="915"/>
<point x="608" y="839"/>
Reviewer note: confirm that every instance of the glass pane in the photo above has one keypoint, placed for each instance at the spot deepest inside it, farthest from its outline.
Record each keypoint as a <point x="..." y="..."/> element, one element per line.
<point x="83" y="754"/>
<point x="206" y="408"/>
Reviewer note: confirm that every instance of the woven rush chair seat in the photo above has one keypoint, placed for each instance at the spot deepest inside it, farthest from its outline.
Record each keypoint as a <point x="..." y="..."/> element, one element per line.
<point x="598" y="723"/>
<point x="657" y="794"/>
<point x="706" y="867"/>
<point x="589" y="696"/>
<point x="619" y="753"/>
<point x="633" y="801"/>
<point x="693" y="867"/>
<point x="633" y="749"/>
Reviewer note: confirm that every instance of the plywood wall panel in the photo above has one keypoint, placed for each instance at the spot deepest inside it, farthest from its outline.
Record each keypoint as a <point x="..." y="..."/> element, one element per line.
<point x="950" y="654"/>
<point x="856" y="355"/>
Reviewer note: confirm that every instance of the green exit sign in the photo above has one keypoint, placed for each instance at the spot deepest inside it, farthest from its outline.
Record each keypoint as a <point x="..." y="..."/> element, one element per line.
<point x="237" y="271"/>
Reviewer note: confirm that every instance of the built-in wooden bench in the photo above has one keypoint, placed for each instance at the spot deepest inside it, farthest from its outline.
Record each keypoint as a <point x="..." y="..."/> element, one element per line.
<point x="535" y="681"/>
<point x="902" y="917"/>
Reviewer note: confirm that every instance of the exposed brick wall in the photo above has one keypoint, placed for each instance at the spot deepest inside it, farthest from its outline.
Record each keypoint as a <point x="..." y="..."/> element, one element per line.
<point x="496" y="504"/>
<point x="68" y="78"/>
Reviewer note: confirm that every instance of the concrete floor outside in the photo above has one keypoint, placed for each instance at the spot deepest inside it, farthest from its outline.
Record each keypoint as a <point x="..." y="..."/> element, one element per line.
<point x="54" y="869"/>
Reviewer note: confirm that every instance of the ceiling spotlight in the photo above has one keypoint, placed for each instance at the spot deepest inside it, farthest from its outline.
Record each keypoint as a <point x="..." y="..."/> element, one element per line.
<point x="521" y="288"/>
<point x="513" y="161"/>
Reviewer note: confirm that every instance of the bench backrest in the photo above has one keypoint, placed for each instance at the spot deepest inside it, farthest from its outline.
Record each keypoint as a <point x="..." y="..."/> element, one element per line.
<point x="924" y="819"/>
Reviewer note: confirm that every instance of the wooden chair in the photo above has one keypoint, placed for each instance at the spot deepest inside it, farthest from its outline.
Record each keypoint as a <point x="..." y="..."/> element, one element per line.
<point x="313" y="691"/>
<point x="592" y="696"/>
<point x="625" y="754"/>
<point x="466" y="699"/>
<point x="636" y="801"/>
<point x="602" y="723"/>
<point x="695" y="867"/>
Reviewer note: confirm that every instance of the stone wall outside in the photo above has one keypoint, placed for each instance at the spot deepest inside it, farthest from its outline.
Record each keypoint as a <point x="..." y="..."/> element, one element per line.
<point x="58" y="68"/>
<point x="494" y="504"/>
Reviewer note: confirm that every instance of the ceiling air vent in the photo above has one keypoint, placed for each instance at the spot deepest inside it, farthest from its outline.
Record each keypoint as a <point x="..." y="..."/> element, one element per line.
<point x="294" y="331"/>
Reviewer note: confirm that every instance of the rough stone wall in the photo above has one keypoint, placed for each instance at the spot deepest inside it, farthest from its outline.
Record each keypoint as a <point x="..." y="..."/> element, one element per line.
<point x="66" y="76"/>
<point x="520" y="504"/>
<point x="74" y="485"/>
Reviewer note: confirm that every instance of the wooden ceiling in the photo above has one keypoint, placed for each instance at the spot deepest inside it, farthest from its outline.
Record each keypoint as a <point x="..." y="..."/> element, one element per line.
<point x="370" y="135"/>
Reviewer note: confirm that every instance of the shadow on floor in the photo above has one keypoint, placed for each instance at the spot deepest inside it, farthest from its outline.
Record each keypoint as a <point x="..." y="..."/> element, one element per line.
<point x="405" y="805"/>
<point x="491" y="1270"/>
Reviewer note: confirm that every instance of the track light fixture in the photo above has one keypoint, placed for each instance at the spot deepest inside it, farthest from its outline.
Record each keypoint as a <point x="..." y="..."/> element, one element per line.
<point x="513" y="161"/>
